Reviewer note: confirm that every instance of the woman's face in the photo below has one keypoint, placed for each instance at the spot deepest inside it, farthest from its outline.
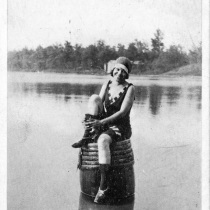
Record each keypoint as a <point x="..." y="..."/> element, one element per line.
<point x="119" y="75"/>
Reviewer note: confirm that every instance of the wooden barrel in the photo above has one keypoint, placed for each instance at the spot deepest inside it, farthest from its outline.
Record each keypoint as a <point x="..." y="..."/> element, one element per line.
<point x="122" y="182"/>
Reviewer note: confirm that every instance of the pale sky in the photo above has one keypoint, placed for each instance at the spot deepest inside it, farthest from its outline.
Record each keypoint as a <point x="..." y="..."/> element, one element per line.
<point x="47" y="22"/>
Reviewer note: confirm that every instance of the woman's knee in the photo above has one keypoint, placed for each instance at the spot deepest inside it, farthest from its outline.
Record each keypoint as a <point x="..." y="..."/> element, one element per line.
<point x="95" y="99"/>
<point x="95" y="105"/>
<point x="104" y="141"/>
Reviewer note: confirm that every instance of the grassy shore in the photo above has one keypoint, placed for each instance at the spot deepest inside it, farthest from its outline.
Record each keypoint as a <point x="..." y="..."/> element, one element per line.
<point x="188" y="70"/>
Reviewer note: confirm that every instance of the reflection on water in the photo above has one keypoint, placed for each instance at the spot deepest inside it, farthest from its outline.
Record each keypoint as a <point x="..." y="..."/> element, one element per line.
<point x="154" y="93"/>
<point x="194" y="92"/>
<point x="141" y="94"/>
<point x="86" y="202"/>
<point x="66" y="89"/>
<point x="173" y="94"/>
<point x="155" y="96"/>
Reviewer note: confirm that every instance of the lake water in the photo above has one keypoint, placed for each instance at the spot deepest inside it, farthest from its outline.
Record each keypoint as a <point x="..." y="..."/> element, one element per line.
<point x="44" y="118"/>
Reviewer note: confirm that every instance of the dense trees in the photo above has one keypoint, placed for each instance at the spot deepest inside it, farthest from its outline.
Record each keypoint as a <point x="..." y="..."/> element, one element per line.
<point x="195" y="55"/>
<point x="157" y="44"/>
<point x="173" y="57"/>
<point x="69" y="58"/>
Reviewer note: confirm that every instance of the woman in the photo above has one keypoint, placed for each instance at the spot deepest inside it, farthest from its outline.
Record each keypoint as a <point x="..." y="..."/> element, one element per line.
<point x="108" y="119"/>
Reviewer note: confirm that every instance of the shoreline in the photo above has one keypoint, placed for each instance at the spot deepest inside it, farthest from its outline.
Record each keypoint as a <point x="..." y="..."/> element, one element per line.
<point x="183" y="71"/>
<point x="105" y="74"/>
<point x="86" y="79"/>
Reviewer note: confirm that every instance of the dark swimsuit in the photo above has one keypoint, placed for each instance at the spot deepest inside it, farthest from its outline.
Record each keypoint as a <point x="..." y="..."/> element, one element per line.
<point x="120" y="129"/>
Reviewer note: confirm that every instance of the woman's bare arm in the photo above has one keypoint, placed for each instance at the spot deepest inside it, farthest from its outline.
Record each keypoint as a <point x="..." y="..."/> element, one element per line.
<point x="103" y="91"/>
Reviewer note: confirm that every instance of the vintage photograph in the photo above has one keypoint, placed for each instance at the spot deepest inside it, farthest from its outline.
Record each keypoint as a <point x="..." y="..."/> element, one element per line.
<point x="104" y="104"/>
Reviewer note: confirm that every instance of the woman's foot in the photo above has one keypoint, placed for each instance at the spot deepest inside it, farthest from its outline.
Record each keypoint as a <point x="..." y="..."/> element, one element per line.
<point x="88" y="135"/>
<point x="78" y="144"/>
<point x="101" y="196"/>
<point x="81" y="143"/>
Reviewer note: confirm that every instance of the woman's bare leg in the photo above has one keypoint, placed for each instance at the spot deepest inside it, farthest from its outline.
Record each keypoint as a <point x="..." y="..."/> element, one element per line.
<point x="95" y="105"/>
<point x="104" y="157"/>
<point x="95" y="108"/>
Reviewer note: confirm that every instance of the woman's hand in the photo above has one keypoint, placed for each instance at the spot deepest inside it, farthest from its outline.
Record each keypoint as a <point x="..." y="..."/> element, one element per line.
<point x="94" y="124"/>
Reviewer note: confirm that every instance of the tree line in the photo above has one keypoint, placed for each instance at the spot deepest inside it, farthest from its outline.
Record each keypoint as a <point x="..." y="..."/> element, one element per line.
<point x="69" y="58"/>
